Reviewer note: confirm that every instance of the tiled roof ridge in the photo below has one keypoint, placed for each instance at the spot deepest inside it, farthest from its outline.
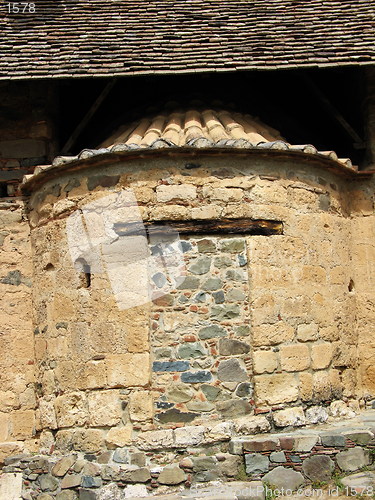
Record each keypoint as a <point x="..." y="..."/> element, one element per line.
<point x="66" y="38"/>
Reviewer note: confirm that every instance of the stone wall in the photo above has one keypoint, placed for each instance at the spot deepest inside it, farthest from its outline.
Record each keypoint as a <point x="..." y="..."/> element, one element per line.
<point x="260" y="322"/>
<point x="17" y="376"/>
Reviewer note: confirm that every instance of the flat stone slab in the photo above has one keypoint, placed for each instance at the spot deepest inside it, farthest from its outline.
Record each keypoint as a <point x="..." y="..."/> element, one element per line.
<point x="361" y="483"/>
<point x="11" y="486"/>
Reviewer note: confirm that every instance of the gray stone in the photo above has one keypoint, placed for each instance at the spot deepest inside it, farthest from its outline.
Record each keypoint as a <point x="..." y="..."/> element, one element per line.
<point x="71" y="481"/>
<point x="244" y="390"/>
<point x="305" y="443"/>
<point x="199" y="406"/>
<point x="66" y="495"/>
<point x="91" y="482"/>
<point x="62" y="466"/>
<point x="174" y="415"/>
<point x="85" y="494"/>
<point x="360" y="483"/>
<point x="171" y="475"/>
<point x="73" y="183"/>
<point x="170" y="366"/>
<point x="242" y="260"/>
<point x="206" y="246"/>
<point x="318" y="468"/>
<point x="221" y="313"/>
<point x="180" y="393"/>
<point x="207" y="475"/>
<point x="191" y="350"/>
<point x="103" y="458"/>
<point x="256" y="463"/>
<point x="48" y="483"/>
<point x="189" y="283"/>
<point x="200" y="266"/>
<point x="353" y="459"/>
<point x="138" y="458"/>
<point x="43" y="496"/>
<point x="196" y="377"/>
<point x="233" y="408"/>
<point x="278" y="457"/>
<point x="230" y="370"/>
<point x="235" y="295"/>
<point x="223" y="261"/>
<point x="185" y="246"/>
<point x="137" y="474"/>
<point x="232" y="245"/>
<point x="230" y="465"/>
<point x="280" y="477"/>
<point x="159" y="279"/>
<point x="333" y="440"/>
<point x="200" y="297"/>
<point x="203" y="463"/>
<point x="121" y="455"/>
<point x="233" y="275"/>
<point x="242" y="331"/>
<point x="359" y="437"/>
<point x="211" y="392"/>
<point x="212" y="331"/>
<point x="212" y="284"/>
<point x="230" y="347"/>
<point x="219" y="297"/>
<point x="163" y="352"/>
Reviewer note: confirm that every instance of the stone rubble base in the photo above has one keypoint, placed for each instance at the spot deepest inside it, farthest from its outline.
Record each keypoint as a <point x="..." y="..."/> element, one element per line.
<point x="241" y="468"/>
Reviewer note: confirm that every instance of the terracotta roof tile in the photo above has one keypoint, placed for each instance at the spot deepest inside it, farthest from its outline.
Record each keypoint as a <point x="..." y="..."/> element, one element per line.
<point x="112" y="37"/>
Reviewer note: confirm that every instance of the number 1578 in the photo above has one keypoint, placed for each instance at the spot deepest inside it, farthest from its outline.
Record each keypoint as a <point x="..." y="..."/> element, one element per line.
<point x="21" y="7"/>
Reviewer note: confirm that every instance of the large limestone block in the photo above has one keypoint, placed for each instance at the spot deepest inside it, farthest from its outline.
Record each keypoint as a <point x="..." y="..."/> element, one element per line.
<point x="104" y="408"/>
<point x="127" y="370"/>
<point x="23" y="424"/>
<point x="277" y="388"/>
<point x="71" y="409"/>
<point x="11" y="486"/>
<point x="140" y="406"/>
<point x="265" y="335"/>
<point x="295" y="357"/>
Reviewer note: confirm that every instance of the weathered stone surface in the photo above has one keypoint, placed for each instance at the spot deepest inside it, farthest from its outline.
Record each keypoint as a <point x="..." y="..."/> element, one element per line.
<point x="230" y="347"/>
<point x="231" y="370"/>
<point x="66" y="495"/>
<point x="11" y="486"/>
<point x="290" y="416"/>
<point x="318" y="468"/>
<point x="212" y="331"/>
<point x="244" y="390"/>
<point x="305" y="443"/>
<point x="140" y="406"/>
<point x="225" y="312"/>
<point x="316" y="415"/>
<point x="171" y="475"/>
<point x="200" y="406"/>
<point x="191" y="350"/>
<point x="252" y="425"/>
<point x="360" y="483"/>
<point x="220" y="432"/>
<point x="264" y="444"/>
<point x="277" y="388"/>
<point x="121" y="455"/>
<point x="210" y="391"/>
<point x="200" y="266"/>
<point x="278" y="457"/>
<point x="359" y="437"/>
<point x="353" y="459"/>
<point x="203" y="463"/>
<point x="154" y="440"/>
<point x="232" y="245"/>
<point x="174" y="415"/>
<point x="62" y="466"/>
<point x="48" y="483"/>
<point x="185" y="192"/>
<point x="294" y="357"/>
<point x="91" y="482"/>
<point x="135" y="491"/>
<point x="170" y="366"/>
<point x="256" y="463"/>
<point x="119" y="436"/>
<point x="196" y="377"/>
<point x="280" y="477"/>
<point x="109" y="492"/>
<point x="334" y="440"/>
<point x="102" y="180"/>
<point x="265" y="362"/>
<point x="71" y="481"/>
<point x="212" y="284"/>
<point x="104" y="408"/>
<point x="180" y="393"/>
<point x="189" y="435"/>
<point x="233" y="408"/>
<point x="189" y="283"/>
<point x="229" y="465"/>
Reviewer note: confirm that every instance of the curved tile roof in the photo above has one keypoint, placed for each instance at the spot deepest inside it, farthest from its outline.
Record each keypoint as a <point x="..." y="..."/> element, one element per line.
<point x="66" y="38"/>
<point x="207" y="130"/>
